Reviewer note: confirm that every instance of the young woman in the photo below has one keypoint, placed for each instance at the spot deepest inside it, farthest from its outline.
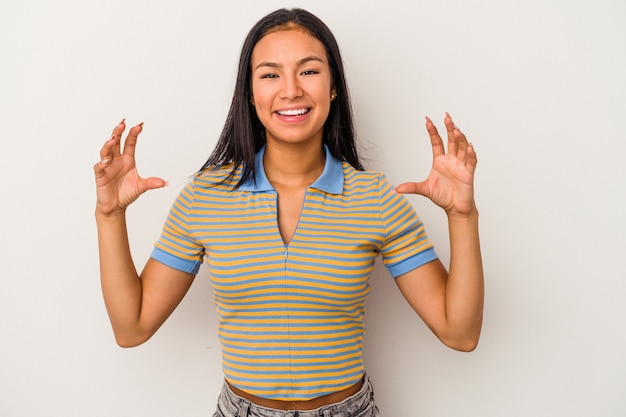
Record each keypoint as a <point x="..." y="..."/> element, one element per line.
<point x="290" y="225"/>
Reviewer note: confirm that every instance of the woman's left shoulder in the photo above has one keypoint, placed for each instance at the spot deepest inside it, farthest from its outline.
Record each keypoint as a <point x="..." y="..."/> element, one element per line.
<point x="350" y="171"/>
<point x="370" y="179"/>
<point x="373" y="175"/>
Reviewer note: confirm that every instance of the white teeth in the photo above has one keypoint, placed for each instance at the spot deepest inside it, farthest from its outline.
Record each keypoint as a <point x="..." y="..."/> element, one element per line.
<point x="296" y="112"/>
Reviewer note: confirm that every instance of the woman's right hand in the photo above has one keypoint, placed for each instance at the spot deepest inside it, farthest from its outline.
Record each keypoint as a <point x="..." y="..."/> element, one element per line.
<point x="117" y="182"/>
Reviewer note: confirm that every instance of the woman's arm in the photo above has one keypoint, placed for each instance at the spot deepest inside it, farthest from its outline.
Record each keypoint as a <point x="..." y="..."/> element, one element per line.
<point x="137" y="305"/>
<point x="450" y="303"/>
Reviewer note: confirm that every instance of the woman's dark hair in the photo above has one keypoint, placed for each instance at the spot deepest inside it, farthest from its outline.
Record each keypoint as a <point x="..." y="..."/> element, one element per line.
<point x="243" y="134"/>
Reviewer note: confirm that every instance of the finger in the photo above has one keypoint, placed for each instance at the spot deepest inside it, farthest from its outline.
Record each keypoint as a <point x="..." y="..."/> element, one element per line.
<point x="461" y="155"/>
<point x="453" y="147"/>
<point x="435" y="140"/>
<point x="472" y="159"/>
<point x="106" y="156"/>
<point x="117" y="133"/>
<point x="151" y="183"/>
<point x="155" y="182"/>
<point x="108" y="150"/>
<point x="131" y="140"/>
<point x="412" y="188"/>
<point x="459" y="138"/>
<point x="99" y="167"/>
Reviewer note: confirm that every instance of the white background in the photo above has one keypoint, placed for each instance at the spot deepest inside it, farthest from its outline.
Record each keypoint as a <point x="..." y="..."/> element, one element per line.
<point x="538" y="86"/>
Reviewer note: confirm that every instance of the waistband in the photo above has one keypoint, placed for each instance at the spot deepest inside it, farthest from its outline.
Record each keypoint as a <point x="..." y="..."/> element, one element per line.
<point x="232" y="405"/>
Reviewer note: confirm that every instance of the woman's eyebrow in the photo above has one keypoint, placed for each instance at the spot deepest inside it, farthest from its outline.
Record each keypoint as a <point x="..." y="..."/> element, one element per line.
<point x="300" y="62"/>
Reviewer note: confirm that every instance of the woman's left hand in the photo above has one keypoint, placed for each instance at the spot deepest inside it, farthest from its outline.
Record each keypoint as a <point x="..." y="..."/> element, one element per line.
<point x="450" y="183"/>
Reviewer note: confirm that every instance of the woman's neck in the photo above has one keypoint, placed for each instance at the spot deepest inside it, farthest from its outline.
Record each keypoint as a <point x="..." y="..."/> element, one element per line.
<point x="293" y="165"/>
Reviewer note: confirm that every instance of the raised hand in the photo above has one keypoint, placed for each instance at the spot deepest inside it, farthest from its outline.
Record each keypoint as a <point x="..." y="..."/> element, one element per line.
<point x="117" y="182"/>
<point x="450" y="183"/>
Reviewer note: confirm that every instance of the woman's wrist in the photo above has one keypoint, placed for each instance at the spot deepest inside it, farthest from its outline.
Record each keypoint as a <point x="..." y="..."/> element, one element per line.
<point x="470" y="215"/>
<point x="115" y="215"/>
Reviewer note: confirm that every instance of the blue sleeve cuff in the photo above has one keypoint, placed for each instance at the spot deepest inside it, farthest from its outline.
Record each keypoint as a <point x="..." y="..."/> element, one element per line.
<point x="175" y="262"/>
<point x="412" y="263"/>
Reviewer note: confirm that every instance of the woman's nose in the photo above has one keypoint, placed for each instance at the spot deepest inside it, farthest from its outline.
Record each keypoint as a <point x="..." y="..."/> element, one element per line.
<point x="291" y="88"/>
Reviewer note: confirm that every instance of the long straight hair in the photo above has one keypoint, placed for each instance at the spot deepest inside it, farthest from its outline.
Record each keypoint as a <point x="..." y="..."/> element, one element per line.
<point x="243" y="134"/>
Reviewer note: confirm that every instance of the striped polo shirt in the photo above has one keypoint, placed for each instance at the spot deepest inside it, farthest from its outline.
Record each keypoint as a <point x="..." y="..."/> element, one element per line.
<point x="290" y="317"/>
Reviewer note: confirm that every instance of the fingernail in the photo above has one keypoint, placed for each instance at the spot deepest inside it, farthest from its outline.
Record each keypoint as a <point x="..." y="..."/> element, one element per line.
<point x="122" y="121"/>
<point x="104" y="161"/>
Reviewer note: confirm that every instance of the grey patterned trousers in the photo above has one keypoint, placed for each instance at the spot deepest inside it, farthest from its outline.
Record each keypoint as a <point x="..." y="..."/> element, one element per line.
<point x="360" y="404"/>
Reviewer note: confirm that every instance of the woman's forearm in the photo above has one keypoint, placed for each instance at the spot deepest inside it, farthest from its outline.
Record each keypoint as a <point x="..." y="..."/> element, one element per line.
<point x="121" y="286"/>
<point x="465" y="285"/>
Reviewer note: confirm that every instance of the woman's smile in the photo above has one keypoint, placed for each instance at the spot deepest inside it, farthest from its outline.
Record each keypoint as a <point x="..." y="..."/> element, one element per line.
<point x="293" y="115"/>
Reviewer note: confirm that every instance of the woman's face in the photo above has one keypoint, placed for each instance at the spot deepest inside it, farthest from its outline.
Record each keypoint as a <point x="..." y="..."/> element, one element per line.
<point x="291" y="86"/>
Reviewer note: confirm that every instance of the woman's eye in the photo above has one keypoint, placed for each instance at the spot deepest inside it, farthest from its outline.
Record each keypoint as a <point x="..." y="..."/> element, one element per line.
<point x="269" y="76"/>
<point x="309" y="72"/>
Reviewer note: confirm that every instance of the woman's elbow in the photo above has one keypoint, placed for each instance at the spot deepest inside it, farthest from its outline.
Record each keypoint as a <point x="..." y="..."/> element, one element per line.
<point x="462" y="343"/>
<point x="130" y="340"/>
<point x="465" y="345"/>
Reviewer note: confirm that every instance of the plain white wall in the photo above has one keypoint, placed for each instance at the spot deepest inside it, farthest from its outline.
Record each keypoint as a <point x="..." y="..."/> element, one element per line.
<point x="538" y="86"/>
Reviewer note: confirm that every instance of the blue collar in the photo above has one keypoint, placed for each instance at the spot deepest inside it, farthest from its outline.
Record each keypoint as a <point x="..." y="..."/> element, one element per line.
<point x="331" y="180"/>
